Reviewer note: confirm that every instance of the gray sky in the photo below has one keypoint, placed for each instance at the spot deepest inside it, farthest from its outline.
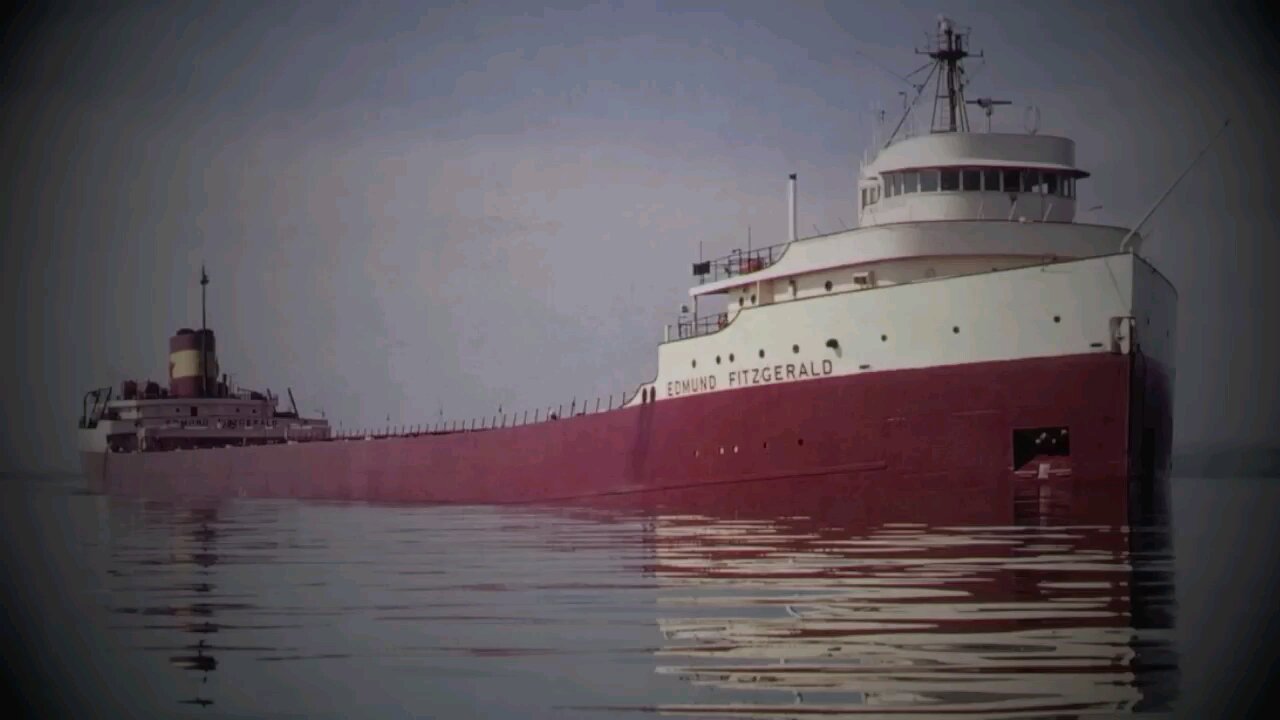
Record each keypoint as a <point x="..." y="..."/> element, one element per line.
<point x="404" y="207"/>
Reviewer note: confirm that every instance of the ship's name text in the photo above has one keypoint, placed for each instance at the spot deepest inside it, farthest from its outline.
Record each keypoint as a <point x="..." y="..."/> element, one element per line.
<point x="752" y="376"/>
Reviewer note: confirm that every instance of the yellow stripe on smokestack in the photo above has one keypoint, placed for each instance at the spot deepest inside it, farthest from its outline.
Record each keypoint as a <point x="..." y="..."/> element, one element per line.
<point x="189" y="352"/>
<point x="186" y="363"/>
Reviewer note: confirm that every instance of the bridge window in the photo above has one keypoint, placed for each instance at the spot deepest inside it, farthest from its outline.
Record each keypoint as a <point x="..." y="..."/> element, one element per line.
<point x="1028" y="180"/>
<point x="911" y="181"/>
<point x="928" y="181"/>
<point x="1011" y="180"/>
<point x="950" y="180"/>
<point x="1025" y="180"/>
<point x="991" y="180"/>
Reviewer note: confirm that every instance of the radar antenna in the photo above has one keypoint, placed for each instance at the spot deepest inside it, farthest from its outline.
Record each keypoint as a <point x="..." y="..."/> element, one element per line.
<point x="988" y="105"/>
<point x="948" y="50"/>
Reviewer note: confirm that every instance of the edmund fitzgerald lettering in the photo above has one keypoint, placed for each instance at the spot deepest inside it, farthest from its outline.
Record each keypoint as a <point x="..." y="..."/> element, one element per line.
<point x="752" y="376"/>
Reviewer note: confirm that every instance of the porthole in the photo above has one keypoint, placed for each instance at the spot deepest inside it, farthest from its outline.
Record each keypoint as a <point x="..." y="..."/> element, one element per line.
<point x="761" y="352"/>
<point x="1057" y="318"/>
<point x="955" y="329"/>
<point x="884" y="338"/>
<point x="753" y="299"/>
<point x="741" y="301"/>
<point x="730" y="357"/>
<point x="764" y="445"/>
<point x="695" y="363"/>
<point x="696" y="453"/>
<point x="800" y="442"/>
<point x="721" y="449"/>
<point x="795" y="348"/>
<point x="717" y="359"/>
<point x="735" y="449"/>
<point x="827" y="285"/>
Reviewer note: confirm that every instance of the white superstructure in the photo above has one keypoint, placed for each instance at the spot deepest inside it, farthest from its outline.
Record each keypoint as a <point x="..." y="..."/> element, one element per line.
<point x="140" y="424"/>
<point x="967" y="251"/>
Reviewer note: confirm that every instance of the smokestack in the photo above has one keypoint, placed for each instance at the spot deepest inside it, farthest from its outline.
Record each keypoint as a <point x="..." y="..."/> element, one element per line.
<point x="791" y="187"/>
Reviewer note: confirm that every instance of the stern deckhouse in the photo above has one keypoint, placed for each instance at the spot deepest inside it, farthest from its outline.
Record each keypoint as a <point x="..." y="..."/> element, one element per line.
<point x="197" y="409"/>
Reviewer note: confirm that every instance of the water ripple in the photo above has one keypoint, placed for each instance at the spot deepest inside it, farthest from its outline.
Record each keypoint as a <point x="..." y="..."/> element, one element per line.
<point x="279" y="608"/>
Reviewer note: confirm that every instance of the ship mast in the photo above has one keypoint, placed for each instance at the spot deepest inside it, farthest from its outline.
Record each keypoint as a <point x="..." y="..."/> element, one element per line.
<point x="204" y="354"/>
<point x="947" y="51"/>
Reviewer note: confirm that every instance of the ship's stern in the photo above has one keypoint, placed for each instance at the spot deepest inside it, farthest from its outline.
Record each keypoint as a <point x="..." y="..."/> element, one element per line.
<point x="92" y="444"/>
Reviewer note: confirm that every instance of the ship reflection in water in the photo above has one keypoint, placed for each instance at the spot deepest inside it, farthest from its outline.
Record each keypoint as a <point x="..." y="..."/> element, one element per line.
<point x="784" y="618"/>
<point x="178" y="581"/>
<point x="169" y="561"/>
<point x="1044" y="605"/>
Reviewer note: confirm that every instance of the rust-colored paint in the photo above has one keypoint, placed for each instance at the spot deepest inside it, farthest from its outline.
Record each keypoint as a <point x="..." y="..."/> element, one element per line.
<point x="897" y="427"/>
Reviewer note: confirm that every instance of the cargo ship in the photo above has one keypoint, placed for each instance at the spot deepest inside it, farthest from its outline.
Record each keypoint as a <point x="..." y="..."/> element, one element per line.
<point x="968" y="328"/>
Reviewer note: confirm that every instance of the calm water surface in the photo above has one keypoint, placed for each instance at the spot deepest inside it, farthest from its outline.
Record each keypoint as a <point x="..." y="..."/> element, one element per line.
<point x="126" y="608"/>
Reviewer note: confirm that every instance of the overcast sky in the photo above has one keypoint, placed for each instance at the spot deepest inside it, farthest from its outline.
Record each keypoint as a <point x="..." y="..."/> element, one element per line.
<point x="407" y="207"/>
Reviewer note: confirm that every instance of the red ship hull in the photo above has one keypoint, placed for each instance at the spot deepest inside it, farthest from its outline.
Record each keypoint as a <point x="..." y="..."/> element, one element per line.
<point x="946" y="428"/>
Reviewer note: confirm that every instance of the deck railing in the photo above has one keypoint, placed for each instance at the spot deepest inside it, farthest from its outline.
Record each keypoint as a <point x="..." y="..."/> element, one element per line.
<point x="690" y="328"/>
<point x="552" y="413"/>
<point x="739" y="262"/>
